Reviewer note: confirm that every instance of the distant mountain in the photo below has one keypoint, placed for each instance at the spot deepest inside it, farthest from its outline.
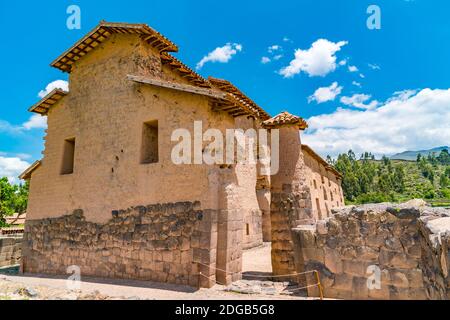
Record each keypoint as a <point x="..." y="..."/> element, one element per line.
<point x="412" y="155"/>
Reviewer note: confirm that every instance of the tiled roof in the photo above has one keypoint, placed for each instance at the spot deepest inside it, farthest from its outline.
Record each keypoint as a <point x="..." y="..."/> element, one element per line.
<point x="182" y="69"/>
<point x="48" y="101"/>
<point x="26" y="175"/>
<point x="227" y="86"/>
<point x="285" y="118"/>
<point x="102" y="32"/>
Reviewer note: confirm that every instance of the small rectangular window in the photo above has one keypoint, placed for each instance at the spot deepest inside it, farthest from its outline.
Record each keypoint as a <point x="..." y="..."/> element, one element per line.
<point x="68" y="156"/>
<point x="247" y="229"/>
<point x="149" y="148"/>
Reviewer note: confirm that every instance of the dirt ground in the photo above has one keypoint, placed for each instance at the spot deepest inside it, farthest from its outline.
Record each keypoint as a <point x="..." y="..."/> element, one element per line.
<point x="256" y="261"/>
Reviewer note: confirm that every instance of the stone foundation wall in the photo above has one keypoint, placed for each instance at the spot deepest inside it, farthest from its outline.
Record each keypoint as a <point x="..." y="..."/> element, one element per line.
<point x="288" y="208"/>
<point x="161" y="242"/>
<point x="360" y="246"/>
<point x="10" y="251"/>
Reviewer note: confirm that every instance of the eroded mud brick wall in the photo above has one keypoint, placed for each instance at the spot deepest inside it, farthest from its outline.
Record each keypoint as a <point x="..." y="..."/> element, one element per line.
<point x="290" y="200"/>
<point x="347" y="248"/>
<point x="161" y="242"/>
<point x="10" y="251"/>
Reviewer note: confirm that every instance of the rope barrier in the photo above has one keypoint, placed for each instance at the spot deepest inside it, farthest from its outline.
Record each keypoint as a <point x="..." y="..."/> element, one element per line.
<point x="315" y="272"/>
<point x="272" y="276"/>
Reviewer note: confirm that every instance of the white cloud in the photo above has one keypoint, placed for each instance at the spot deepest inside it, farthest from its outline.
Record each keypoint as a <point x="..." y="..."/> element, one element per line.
<point x="12" y="167"/>
<point x="278" y="57"/>
<point x="319" y="60"/>
<point x="358" y="101"/>
<point x="353" y="69"/>
<point x="221" y="54"/>
<point x="60" y="84"/>
<point x="416" y="123"/>
<point x="273" y="48"/>
<point x="362" y="76"/>
<point x="343" y="62"/>
<point x="374" y="66"/>
<point x="286" y="39"/>
<point x="35" y="122"/>
<point x="325" y="94"/>
<point x="357" y="84"/>
<point x="265" y="60"/>
<point x="403" y="95"/>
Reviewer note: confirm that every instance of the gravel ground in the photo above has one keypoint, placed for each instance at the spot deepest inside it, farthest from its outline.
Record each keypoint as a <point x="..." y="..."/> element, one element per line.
<point x="255" y="261"/>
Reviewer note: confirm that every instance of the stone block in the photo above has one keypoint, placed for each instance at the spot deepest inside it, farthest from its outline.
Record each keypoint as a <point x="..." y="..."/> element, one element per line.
<point x="355" y="267"/>
<point x="314" y="254"/>
<point x="343" y="282"/>
<point x="333" y="260"/>
<point x="360" y="288"/>
<point x="415" y="278"/>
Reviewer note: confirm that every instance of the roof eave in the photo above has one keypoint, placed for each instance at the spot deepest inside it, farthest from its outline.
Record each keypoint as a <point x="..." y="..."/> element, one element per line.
<point x="26" y="175"/>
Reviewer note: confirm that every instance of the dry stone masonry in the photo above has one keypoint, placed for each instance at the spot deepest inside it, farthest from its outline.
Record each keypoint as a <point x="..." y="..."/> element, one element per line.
<point x="408" y="245"/>
<point x="10" y="251"/>
<point x="162" y="242"/>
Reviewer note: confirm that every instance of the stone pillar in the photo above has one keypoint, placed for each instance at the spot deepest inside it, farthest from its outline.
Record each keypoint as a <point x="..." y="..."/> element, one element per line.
<point x="290" y="200"/>
<point x="229" y="231"/>
<point x="263" y="196"/>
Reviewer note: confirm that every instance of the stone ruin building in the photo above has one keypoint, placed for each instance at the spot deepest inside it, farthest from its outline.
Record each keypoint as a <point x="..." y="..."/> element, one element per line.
<point x="107" y="197"/>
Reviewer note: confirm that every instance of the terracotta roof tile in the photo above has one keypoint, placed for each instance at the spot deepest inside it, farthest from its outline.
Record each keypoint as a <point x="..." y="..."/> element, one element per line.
<point x="285" y="118"/>
<point x="227" y="86"/>
<point x="102" y="32"/>
<point x="48" y="101"/>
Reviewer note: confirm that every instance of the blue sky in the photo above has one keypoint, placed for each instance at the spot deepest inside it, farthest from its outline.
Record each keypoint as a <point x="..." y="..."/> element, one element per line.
<point x="398" y="98"/>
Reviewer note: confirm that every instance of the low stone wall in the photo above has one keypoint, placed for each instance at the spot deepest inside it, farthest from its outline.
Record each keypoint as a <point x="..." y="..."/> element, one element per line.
<point x="163" y="242"/>
<point x="435" y="240"/>
<point x="377" y="252"/>
<point x="10" y="251"/>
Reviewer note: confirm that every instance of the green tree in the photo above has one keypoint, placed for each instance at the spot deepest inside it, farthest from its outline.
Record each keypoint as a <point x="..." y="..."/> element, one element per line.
<point x="13" y="199"/>
<point x="444" y="181"/>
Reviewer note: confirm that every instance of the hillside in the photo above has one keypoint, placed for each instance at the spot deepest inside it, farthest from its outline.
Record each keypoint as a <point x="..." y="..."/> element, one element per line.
<point x="366" y="180"/>
<point x="412" y="155"/>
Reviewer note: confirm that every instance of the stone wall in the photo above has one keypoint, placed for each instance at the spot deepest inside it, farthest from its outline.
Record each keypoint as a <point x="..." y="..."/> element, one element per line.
<point x="10" y="251"/>
<point x="162" y="242"/>
<point x="355" y="245"/>
<point x="435" y="241"/>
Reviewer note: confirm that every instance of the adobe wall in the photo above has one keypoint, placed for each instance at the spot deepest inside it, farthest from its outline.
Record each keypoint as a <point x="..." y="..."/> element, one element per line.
<point x="347" y="248"/>
<point x="105" y="113"/>
<point x="326" y="191"/>
<point x="10" y="250"/>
